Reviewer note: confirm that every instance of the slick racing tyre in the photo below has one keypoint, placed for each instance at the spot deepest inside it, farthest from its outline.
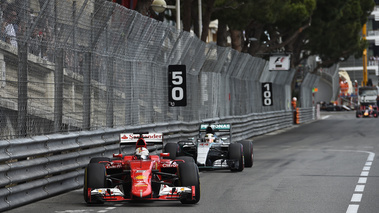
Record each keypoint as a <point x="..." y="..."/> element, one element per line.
<point x="236" y="154"/>
<point x="99" y="159"/>
<point x="94" y="177"/>
<point x="248" y="153"/>
<point x="173" y="149"/>
<point x="187" y="159"/>
<point x="189" y="176"/>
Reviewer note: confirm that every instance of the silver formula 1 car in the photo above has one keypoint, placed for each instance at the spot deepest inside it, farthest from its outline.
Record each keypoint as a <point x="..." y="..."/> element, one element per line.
<point x="215" y="152"/>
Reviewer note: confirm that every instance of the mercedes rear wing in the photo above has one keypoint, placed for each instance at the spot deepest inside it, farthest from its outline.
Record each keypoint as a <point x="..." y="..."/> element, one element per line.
<point x="220" y="127"/>
<point x="216" y="127"/>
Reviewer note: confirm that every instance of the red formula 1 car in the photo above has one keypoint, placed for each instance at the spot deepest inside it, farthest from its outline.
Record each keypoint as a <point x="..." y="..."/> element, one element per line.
<point x="367" y="111"/>
<point x="141" y="176"/>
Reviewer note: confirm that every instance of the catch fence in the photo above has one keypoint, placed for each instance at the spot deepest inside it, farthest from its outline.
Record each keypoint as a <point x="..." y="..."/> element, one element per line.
<point x="92" y="64"/>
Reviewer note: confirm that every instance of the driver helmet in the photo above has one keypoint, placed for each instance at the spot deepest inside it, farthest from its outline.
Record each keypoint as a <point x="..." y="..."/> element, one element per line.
<point x="209" y="138"/>
<point x="142" y="152"/>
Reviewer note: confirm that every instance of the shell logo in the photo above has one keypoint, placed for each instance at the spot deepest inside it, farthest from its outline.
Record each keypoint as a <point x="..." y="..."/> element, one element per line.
<point x="141" y="177"/>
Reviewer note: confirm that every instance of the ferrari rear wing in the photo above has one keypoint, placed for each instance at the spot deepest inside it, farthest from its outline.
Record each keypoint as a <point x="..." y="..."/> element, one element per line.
<point x="128" y="138"/>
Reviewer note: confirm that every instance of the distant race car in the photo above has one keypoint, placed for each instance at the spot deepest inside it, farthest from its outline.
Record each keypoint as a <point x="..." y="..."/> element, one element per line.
<point x="212" y="152"/>
<point x="367" y="111"/>
<point x="141" y="176"/>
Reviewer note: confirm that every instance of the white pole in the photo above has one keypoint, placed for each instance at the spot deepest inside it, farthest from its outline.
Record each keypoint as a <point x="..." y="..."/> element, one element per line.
<point x="200" y="18"/>
<point x="177" y="14"/>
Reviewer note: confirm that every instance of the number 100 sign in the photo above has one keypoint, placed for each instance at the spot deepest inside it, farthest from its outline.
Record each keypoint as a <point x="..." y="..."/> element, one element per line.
<point x="267" y="94"/>
<point x="177" y="85"/>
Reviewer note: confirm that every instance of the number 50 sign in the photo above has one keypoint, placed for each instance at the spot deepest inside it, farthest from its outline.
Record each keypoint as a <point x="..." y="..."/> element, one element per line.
<point x="267" y="94"/>
<point x="177" y="85"/>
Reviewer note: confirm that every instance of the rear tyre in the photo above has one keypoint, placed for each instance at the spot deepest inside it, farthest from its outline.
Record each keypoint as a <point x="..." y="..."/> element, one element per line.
<point x="173" y="149"/>
<point x="189" y="176"/>
<point x="236" y="154"/>
<point x="248" y="153"/>
<point x="94" y="177"/>
<point x="187" y="159"/>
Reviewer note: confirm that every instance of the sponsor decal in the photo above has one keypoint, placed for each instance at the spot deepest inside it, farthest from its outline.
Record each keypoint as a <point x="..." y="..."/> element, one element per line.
<point x="171" y="165"/>
<point x="113" y="166"/>
<point x="140" y="177"/>
<point x="216" y="126"/>
<point x="130" y="137"/>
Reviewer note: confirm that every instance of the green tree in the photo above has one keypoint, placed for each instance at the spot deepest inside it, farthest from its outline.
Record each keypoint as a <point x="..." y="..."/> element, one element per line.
<point x="335" y="31"/>
<point x="327" y="28"/>
<point x="268" y="25"/>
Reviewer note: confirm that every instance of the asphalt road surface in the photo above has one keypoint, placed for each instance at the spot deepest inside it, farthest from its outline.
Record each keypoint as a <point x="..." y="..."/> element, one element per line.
<point x="330" y="165"/>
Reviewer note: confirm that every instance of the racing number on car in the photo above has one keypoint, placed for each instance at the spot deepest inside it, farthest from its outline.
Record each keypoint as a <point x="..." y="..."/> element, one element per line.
<point x="177" y="85"/>
<point x="267" y="94"/>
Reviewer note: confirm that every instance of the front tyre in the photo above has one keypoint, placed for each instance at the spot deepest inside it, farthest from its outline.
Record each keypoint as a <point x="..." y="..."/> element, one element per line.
<point x="236" y="155"/>
<point x="189" y="176"/>
<point x="94" y="177"/>
<point x="248" y="153"/>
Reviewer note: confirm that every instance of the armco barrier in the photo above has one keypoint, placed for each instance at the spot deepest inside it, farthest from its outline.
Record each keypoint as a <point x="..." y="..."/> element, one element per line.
<point x="39" y="167"/>
<point x="306" y="114"/>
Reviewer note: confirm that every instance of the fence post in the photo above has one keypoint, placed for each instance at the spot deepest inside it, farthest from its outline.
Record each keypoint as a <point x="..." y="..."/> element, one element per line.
<point x="58" y="90"/>
<point x="87" y="91"/>
<point x="22" y="88"/>
<point x="109" y="94"/>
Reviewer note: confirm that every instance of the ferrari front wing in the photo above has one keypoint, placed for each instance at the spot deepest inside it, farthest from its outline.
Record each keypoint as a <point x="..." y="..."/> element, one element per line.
<point x="165" y="193"/>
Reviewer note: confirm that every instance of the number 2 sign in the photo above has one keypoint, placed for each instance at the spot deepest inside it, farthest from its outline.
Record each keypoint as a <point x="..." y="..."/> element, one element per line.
<point x="177" y="85"/>
<point x="267" y="94"/>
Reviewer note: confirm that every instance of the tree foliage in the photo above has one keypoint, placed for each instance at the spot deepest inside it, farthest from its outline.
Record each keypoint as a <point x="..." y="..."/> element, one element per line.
<point x="335" y="32"/>
<point x="327" y="28"/>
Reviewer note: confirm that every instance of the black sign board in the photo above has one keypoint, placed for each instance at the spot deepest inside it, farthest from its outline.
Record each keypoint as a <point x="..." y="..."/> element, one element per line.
<point x="177" y="85"/>
<point x="267" y="94"/>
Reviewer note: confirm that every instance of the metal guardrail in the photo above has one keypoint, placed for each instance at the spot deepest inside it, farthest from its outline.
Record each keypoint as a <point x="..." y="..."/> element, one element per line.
<point x="307" y="114"/>
<point x="42" y="166"/>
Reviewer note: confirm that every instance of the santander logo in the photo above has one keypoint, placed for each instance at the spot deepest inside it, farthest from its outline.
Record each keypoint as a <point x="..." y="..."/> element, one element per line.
<point x="136" y="136"/>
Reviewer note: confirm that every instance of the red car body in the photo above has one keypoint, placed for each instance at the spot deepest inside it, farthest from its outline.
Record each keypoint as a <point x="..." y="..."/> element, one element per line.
<point x="129" y="177"/>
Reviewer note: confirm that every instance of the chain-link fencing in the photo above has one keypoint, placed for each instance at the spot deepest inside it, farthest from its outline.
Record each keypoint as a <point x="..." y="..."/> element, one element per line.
<point x="90" y="64"/>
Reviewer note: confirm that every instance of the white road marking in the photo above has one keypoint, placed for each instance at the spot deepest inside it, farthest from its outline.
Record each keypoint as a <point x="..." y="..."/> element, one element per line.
<point x="364" y="174"/>
<point x="359" y="188"/>
<point x="352" y="208"/>
<point x="357" y="197"/>
<point x="362" y="180"/>
<point x="366" y="168"/>
<point x="325" y="117"/>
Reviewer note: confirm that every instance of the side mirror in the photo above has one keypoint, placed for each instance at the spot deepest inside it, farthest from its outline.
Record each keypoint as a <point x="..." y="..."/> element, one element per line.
<point x="165" y="155"/>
